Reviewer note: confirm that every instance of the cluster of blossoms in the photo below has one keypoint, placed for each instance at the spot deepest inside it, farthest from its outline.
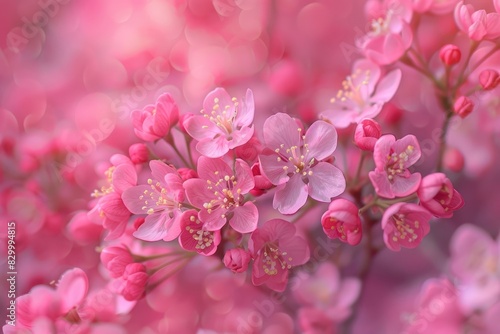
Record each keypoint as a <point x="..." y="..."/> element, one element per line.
<point x="249" y="194"/>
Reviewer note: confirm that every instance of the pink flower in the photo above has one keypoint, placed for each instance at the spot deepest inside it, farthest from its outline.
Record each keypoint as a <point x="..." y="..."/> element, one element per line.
<point x="138" y="153"/>
<point x="62" y="302"/>
<point x="478" y="25"/>
<point x="225" y="123"/>
<point x="436" y="194"/>
<point x="237" y="260"/>
<point x="489" y="79"/>
<point x="391" y="177"/>
<point x="366" y="134"/>
<point x="390" y="35"/>
<point x="463" y="106"/>
<point x="293" y="162"/>
<point x="195" y="237"/>
<point x="134" y="282"/>
<point x="110" y="208"/>
<point x="475" y="260"/>
<point x="325" y="290"/>
<point x="115" y="259"/>
<point x="160" y="199"/>
<point x="342" y="221"/>
<point x="154" y="121"/>
<point x="363" y="94"/>
<point x="405" y="225"/>
<point x="450" y="54"/>
<point x="276" y="249"/>
<point x="219" y="193"/>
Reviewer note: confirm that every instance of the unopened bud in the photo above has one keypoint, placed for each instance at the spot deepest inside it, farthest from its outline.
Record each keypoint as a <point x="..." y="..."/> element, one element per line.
<point x="450" y="54"/>
<point x="463" y="106"/>
<point x="489" y="79"/>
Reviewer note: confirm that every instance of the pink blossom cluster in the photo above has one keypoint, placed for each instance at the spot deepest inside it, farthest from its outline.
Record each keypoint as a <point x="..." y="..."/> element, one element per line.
<point x="242" y="167"/>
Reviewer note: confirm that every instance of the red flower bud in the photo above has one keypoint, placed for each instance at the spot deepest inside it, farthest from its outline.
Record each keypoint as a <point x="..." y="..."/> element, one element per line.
<point x="463" y="106"/>
<point x="138" y="153"/>
<point x="366" y="134"/>
<point x="450" y="54"/>
<point x="489" y="79"/>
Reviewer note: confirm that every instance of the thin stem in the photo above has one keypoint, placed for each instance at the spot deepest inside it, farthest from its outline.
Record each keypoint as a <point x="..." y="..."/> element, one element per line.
<point x="442" y="140"/>
<point x="141" y="258"/>
<point x="163" y="265"/>
<point x="169" y="274"/>
<point x="358" y="170"/>
<point x="461" y="76"/>
<point x="486" y="56"/>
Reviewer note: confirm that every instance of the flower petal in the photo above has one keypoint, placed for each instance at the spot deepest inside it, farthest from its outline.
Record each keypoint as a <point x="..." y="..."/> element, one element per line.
<point x="321" y="140"/>
<point x="245" y="218"/>
<point x="291" y="197"/>
<point x="326" y="181"/>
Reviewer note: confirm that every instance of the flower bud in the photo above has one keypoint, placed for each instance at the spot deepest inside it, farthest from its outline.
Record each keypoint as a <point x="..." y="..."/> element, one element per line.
<point x="450" y="54"/>
<point x="342" y="221"/>
<point x="138" y="153"/>
<point x="489" y="79"/>
<point x="237" y="260"/>
<point x="436" y="194"/>
<point x="453" y="159"/>
<point x="366" y="134"/>
<point x="115" y="259"/>
<point x="135" y="279"/>
<point x="187" y="173"/>
<point x="463" y="106"/>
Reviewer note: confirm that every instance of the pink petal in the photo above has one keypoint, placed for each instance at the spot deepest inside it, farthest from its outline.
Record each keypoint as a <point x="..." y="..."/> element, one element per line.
<point x="213" y="169"/>
<point x="72" y="288"/>
<point x="159" y="169"/>
<point x="321" y="139"/>
<point x="291" y="197"/>
<point x="245" y="218"/>
<point x="366" y="75"/>
<point x="124" y="176"/>
<point x="197" y="192"/>
<point x="296" y="249"/>
<point x="214" y="220"/>
<point x="404" y="144"/>
<point x="381" y="184"/>
<point x="131" y="199"/>
<point x="404" y="186"/>
<point x="387" y="87"/>
<point x="381" y="151"/>
<point x="244" y="116"/>
<point x="154" y="228"/>
<point x="244" y="177"/>
<point x="273" y="169"/>
<point x="281" y="129"/>
<point x="326" y="181"/>
<point x="339" y="117"/>
<point x="219" y="94"/>
<point x="201" y="128"/>
<point x="213" y="148"/>
<point x="241" y="136"/>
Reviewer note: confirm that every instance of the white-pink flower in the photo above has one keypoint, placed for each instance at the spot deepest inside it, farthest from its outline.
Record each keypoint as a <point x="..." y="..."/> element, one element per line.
<point x="405" y="225"/>
<point x="363" y="94"/>
<point x="294" y="162"/>
<point x="224" y="123"/>
<point x="219" y="194"/>
<point x="391" y="177"/>
<point x="160" y="200"/>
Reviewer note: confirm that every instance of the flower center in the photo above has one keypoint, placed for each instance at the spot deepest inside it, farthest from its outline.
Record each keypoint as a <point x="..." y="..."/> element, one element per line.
<point x="157" y="199"/>
<point x="223" y="117"/>
<point x="296" y="158"/>
<point x="352" y="89"/>
<point x="226" y="193"/>
<point x="403" y="229"/>
<point x="396" y="162"/>
<point x="274" y="259"/>
<point x="108" y="188"/>
<point x="203" y="239"/>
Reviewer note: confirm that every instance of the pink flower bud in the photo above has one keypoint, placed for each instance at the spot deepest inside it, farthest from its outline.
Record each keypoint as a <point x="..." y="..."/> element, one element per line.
<point x="463" y="106"/>
<point x="489" y="79"/>
<point x="262" y="184"/>
<point x="135" y="279"/>
<point x="450" y="54"/>
<point x="250" y="150"/>
<point x="342" y="221"/>
<point x="115" y="259"/>
<point x="237" y="260"/>
<point x="390" y="114"/>
<point x="138" y="153"/>
<point x="453" y="159"/>
<point x="187" y="173"/>
<point x="154" y="121"/>
<point x="366" y="134"/>
<point x="436" y="194"/>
